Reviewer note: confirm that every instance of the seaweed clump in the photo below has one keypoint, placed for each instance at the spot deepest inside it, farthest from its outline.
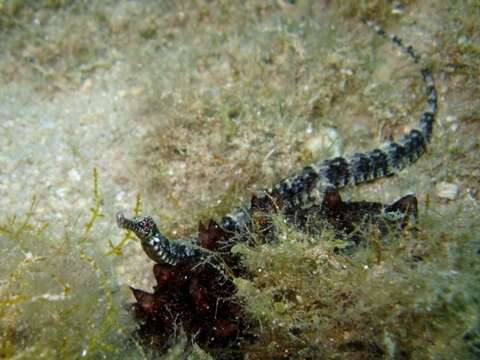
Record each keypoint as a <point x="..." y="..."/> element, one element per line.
<point x="59" y="297"/>
<point x="406" y="296"/>
<point x="199" y="296"/>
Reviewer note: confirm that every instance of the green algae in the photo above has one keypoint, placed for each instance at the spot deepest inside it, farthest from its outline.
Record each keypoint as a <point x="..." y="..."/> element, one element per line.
<point x="59" y="297"/>
<point x="417" y="301"/>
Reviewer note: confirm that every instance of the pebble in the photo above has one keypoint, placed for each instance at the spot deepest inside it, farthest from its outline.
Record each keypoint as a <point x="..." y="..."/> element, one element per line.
<point x="452" y="122"/>
<point x="137" y="91"/>
<point x="327" y="139"/>
<point x="451" y="118"/>
<point x="86" y="86"/>
<point x="74" y="175"/>
<point x="447" y="190"/>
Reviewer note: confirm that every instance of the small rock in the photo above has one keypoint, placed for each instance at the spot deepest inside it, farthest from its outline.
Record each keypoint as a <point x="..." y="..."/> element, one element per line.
<point x="61" y="192"/>
<point x="74" y="175"/>
<point x="463" y="40"/>
<point x="87" y="86"/>
<point x="120" y="196"/>
<point x="452" y="122"/>
<point x="451" y="118"/>
<point x="447" y="190"/>
<point x="137" y="91"/>
<point x="327" y="139"/>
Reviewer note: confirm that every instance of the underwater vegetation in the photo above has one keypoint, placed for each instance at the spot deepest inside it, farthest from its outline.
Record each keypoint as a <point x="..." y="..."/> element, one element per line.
<point x="58" y="295"/>
<point x="296" y="297"/>
<point x="400" y="298"/>
<point x="197" y="293"/>
<point x="230" y="98"/>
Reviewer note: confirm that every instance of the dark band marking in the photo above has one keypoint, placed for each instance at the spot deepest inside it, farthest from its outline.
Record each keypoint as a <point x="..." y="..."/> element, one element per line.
<point x="378" y="163"/>
<point x="360" y="168"/>
<point x="336" y="171"/>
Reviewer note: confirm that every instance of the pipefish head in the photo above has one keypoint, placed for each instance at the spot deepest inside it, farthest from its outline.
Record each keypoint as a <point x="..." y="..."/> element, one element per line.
<point x="143" y="226"/>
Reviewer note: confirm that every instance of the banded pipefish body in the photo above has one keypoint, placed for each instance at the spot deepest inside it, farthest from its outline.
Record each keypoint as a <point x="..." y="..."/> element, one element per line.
<point x="309" y="187"/>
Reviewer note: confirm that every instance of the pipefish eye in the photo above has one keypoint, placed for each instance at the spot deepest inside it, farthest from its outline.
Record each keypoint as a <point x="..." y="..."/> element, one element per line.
<point x="144" y="224"/>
